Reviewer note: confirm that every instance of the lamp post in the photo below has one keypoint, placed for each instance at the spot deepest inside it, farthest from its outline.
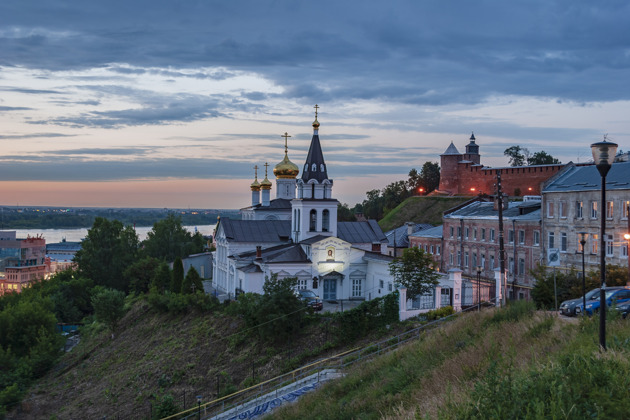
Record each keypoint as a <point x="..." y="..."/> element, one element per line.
<point x="198" y="407"/>
<point x="627" y="238"/>
<point x="583" y="236"/>
<point x="603" y="154"/>
<point x="479" y="269"/>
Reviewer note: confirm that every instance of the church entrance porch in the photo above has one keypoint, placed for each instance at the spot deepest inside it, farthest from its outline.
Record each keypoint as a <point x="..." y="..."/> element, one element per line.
<point x="330" y="289"/>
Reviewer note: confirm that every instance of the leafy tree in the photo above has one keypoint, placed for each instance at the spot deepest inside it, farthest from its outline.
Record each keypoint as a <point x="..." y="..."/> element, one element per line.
<point x="344" y="214"/>
<point x="106" y="251"/>
<point x="430" y="176"/>
<point x="168" y="240"/>
<point x="139" y="274"/>
<point x="192" y="282"/>
<point x="109" y="307"/>
<point x="414" y="271"/>
<point x="177" y="276"/>
<point x="161" y="280"/>
<point x="516" y="155"/>
<point x="542" y="158"/>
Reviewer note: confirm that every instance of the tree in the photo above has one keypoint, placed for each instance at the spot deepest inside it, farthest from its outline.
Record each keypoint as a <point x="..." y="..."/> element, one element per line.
<point x="139" y="274"/>
<point x="168" y="240"/>
<point x="109" y="307"/>
<point x="344" y="214"/>
<point x="414" y="271"/>
<point x="542" y="158"/>
<point x="192" y="282"/>
<point x="516" y="155"/>
<point x="162" y="278"/>
<point x="106" y="251"/>
<point x="178" y="276"/>
<point x="430" y="176"/>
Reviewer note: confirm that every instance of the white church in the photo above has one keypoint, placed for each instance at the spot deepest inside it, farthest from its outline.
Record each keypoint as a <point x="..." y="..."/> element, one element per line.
<point x="297" y="235"/>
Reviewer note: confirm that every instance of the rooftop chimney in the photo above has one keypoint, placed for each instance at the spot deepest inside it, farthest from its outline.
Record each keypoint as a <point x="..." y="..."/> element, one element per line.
<point x="410" y="227"/>
<point x="258" y="252"/>
<point x="376" y="247"/>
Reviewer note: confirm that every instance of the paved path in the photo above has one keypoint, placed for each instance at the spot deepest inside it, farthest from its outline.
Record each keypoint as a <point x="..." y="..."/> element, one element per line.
<point x="264" y="404"/>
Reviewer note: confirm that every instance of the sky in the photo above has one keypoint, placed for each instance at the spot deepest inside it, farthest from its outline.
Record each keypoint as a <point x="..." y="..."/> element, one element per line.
<point x="172" y="103"/>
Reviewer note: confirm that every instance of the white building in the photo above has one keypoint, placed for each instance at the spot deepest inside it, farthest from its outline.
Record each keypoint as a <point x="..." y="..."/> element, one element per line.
<point x="297" y="235"/>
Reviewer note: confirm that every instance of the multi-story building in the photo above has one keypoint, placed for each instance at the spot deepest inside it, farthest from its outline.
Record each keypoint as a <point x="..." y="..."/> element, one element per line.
<point x="22" y="261"/>
<point x="572" y="204"/>
<point x="470" y="241"/>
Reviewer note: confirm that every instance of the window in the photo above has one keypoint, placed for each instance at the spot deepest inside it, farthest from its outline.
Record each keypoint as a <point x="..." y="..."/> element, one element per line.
<point x="624" y="210"/>
<point x="593" y="209"/>
<point x="325" y="221"/>
<point x="492" y="262"/>
<point x="483" y="261"/>
<point x="356" y="288"/>
<point x="301" y="284"/>
<point x="552" y="238"/>
<point x="483" y="234"/>
<point x="537" y="238"/>
<point x="313" y="221"/>
<point x="389" y="287"/>
<point x="579" y="207"/>
<point x="579" y="246"/>
<point x="439" y="249"/>
<point x="594" y="243"/>
<point x="459" y="258"/>
<point x="609" y="210"/>
<point x="475" y="234"/>
<point x="491" y="235"/>
<point x="624" y="247"/>
<point x="609" y="246"/>
<point x="450" y="258"/>
<point x="465" y="259"/>
<point x="563" y="242"/>
<point x="459" y="231"/>
<point x="511" y="265"/>
<point x="451" y="231"/>
<point x="562" y="209"/>
<point x="474" y="259"/>
<point x="511" y="236"/>
<point x="467" y="231"/>
<point x="550" y="209"/>
<point x="521" y="266"/>
<point x="432" y="249"/>
<point x="521" y="236"/>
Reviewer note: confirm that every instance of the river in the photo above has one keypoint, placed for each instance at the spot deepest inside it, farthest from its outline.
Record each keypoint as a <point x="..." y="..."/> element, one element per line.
<point x="75" y="235"/>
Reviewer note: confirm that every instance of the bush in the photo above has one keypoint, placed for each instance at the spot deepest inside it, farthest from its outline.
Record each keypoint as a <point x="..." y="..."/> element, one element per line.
<point x="366" y="317"/>
<point x="514" y="311"/>
<point x="166" y="407"/>
<point x="439" y="313"/>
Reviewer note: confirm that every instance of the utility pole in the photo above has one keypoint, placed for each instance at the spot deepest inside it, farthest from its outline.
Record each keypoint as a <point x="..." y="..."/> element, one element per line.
<point x="501" y="244"/>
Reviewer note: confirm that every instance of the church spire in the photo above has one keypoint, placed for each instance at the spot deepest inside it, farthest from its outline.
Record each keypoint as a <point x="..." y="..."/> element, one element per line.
<point x="315" y="167"/>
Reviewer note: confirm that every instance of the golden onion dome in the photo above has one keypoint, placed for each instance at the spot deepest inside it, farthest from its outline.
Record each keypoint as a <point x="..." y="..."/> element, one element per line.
<point x="265" y="184"/>
<point x="316" y="124"/>
<point x="286" y="168"/>
<point x="255" y="185"/>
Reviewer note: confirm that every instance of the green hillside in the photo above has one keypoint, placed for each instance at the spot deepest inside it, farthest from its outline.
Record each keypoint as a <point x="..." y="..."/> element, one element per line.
<point x="420" y="210"/>
<point x="513" y="363"/>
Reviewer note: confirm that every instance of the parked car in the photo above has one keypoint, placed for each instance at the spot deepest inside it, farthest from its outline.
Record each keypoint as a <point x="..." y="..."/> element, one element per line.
<point x="311" y="299"/>
<point x="624" y="309"/>
<point x="567" y="307"/>
<point x="614" y="296"/>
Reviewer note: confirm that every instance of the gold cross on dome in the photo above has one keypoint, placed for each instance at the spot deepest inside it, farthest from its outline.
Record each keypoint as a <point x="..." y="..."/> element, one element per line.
<point x="266" y="164"/>
<point x="316" y="108"/>
<point x="256" y="171"/>
<point x="286" y="136"/>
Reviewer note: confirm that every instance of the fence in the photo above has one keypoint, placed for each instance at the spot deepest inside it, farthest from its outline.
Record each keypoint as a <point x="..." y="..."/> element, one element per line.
<point x="474" y="292"/>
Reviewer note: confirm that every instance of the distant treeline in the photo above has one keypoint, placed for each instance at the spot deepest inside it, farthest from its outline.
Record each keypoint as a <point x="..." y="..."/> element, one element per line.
<point x="31" y="218"/>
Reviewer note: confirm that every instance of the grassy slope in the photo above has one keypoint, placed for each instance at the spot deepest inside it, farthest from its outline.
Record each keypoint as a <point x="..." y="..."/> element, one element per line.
<point x="435" y="377"/>
<point x="420" y="210"/>
<point x="158" y="354"/>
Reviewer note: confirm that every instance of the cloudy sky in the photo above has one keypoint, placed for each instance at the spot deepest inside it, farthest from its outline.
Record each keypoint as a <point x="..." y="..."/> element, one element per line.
<point x="171" y="103"/>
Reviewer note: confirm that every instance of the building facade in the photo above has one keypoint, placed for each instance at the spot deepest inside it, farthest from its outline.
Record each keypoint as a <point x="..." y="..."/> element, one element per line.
<point x="572" y="204"/>
<point x="22" y="262"/>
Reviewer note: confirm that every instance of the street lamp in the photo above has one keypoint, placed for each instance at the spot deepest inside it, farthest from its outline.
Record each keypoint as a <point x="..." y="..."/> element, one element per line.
<point x="626" y="236"/>
<point x="198" y="407"/>
<point x="479" y="270"/>
<point x="583" y="236"/>
<point x="603" y="154"/>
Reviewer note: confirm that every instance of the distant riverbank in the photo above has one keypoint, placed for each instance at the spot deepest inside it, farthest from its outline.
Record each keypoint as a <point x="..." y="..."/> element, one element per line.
<point x="76" y="235"/>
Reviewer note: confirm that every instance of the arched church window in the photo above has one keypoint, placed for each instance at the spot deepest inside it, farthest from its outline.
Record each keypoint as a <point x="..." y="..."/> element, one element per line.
<point x="321" y="167"/>
<point x="314" y="167"/>
<point x="313" y="221"/>
<point x="325" y="221"/>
